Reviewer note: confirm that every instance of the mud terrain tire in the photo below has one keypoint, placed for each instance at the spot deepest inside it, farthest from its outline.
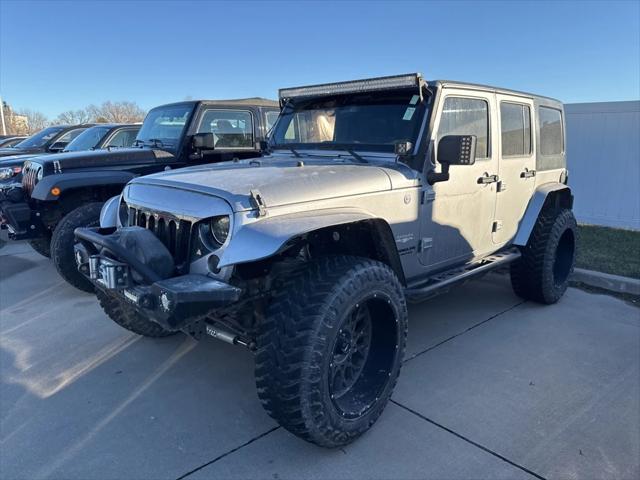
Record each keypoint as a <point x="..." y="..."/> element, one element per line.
<point x="542" y="273"/>
<point x="42" y="246"/>
<point x="330" y="348"/>
<point x="127" y="317"/>
<point x="63" y="240"/>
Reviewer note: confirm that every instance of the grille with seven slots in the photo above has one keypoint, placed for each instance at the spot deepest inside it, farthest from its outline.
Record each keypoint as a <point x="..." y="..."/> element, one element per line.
<point x="173" y="233"/>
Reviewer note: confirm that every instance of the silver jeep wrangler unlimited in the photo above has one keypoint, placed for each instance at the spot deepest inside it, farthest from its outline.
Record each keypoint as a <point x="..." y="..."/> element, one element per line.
<point x="374" y="193"/>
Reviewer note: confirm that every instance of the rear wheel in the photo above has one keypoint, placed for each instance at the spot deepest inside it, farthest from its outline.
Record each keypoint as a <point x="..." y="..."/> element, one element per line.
<point x="63" y="240"/>
<point x="542" y="273"/>
<point x="331" y="347"/>
<point x="42" y="245"/>
<point x="127" y="317"/>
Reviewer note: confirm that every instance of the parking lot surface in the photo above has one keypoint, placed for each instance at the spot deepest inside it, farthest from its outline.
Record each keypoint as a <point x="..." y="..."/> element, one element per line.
<point x="492" y="387"/>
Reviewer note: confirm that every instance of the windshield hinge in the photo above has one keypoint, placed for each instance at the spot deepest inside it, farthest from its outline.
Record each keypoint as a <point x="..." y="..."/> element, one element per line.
<point x="258" y="202"/>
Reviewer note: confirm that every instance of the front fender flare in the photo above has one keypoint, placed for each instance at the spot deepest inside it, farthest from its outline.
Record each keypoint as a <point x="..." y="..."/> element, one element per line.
<point x="109" y="213"/>
<point x="534" y="208"/>
<point x="266" y="237"/>
<point x="70" y="181"/>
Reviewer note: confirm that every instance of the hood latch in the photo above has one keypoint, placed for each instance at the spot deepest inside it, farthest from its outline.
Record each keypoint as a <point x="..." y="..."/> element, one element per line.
<point x="258" y="202"/>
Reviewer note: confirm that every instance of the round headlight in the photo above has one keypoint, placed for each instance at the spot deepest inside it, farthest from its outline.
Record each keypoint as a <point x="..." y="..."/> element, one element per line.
<point x="40" y="174"/>
<point x="219" y="228"/>
<point x="6" y="173"/>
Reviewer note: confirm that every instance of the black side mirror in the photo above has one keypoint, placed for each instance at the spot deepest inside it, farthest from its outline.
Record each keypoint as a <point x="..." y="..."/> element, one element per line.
<point x="203" y="141"/>
<point x="457" y="150"/>
<point x="453" y="150"/>
<point x="58" y="147"/>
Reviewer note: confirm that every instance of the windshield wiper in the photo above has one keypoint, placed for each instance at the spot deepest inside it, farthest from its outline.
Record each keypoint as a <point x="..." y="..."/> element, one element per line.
<point x="285" y="147"/>
<point x="156" y="142"/>
<point x="349" y="150"/>
<point x="357" y="156"/>
<point x="294" y="152"/>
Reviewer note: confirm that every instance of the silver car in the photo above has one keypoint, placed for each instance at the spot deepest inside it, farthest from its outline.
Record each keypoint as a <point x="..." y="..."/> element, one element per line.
<point x="374" y="193"/>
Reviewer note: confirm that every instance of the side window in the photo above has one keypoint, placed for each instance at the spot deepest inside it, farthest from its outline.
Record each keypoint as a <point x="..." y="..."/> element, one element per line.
<point x="515" y="129"/>
<point x="230" y="128"/>
<point x="67" y="137"/>
<point x="466" y="116"/>
<point x="550" y="127"/>
<point x="122" y="138"/>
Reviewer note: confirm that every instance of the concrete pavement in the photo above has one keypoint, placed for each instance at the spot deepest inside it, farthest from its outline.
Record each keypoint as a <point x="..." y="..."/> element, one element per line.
<point x="492" y="387"/>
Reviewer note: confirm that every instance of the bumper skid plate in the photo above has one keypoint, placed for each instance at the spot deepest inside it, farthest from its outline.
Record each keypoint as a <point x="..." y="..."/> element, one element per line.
<point x="22" y="222"/>
<point x="171" y="302"/>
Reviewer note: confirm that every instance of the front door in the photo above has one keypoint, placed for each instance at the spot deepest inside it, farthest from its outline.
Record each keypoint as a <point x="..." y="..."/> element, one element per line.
<point x="517" y="164"/>
<point x="457" y="215"/>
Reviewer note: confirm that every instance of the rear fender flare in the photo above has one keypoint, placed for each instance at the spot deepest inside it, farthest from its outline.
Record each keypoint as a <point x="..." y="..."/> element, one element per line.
<point x="555" y="191"/>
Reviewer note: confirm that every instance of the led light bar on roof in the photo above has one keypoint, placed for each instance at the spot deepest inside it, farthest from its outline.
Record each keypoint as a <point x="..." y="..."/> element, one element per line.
<point x="355" y="86"/>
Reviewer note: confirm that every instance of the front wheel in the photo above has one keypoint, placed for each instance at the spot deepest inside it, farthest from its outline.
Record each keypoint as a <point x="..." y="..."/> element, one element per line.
<point x="331" y="347"/>
<point x="542" y="273"/>
<point x="42" y="245"/>
<point x="127" y="317"/>
<point x="63" y="240"/>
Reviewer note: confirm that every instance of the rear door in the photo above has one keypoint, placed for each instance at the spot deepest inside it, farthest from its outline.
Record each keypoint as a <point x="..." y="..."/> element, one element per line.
<point x="516" y="165"/>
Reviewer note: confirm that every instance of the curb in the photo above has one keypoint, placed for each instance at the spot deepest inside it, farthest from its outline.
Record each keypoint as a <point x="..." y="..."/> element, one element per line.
<point x="613" y="283"/>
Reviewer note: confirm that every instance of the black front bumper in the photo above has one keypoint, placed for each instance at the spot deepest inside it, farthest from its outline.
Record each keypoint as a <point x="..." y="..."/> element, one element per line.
<point x="173" y="302"/>
<point x="17" y="216"/>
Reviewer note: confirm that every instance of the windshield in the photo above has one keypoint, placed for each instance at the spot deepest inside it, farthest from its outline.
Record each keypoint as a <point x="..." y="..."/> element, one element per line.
<point x="87" y="140"/>
<point x="365" y="122"/>
<point x="164" y="126"/>
<point x="41" y="138"/>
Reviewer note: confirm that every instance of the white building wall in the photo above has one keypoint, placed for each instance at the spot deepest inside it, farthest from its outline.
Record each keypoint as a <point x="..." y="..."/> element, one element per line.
<point x="603" y="157"/>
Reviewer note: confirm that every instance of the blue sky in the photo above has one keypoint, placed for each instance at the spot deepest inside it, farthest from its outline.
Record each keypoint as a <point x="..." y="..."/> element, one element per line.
<point x="56" y="56"/>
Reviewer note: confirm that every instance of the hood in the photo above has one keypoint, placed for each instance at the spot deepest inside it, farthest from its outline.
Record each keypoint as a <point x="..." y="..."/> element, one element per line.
<point x="6" y="152"/>
<point x="280" y="180"/>
<point x="105" y="158"/>
<point x="15" y="160"/>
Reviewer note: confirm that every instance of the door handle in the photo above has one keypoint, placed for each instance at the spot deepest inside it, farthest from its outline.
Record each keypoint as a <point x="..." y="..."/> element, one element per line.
<point x="528" y="173"/>
<point x="486" y="179"/>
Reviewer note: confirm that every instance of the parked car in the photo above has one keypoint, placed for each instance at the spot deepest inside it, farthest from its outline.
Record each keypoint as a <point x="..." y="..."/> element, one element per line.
<point x="107" y="135"/>
<point x="62" y="192"/>
<point x="8" y="141"/>
<point x="50" y="140"/>
<point x="376" y="192"/>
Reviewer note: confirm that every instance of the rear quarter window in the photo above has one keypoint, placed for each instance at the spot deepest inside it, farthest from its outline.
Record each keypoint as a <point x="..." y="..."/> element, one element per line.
<point x="550" y="127"/>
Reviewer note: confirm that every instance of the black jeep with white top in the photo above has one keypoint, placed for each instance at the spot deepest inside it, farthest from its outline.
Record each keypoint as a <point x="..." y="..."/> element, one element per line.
<point x="62" y="192"/>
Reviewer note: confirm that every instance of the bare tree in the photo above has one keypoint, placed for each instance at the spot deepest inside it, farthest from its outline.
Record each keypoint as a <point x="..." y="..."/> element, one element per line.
<point x="117" y="112"/>
<point x="35" y="120"/>
<point x="74" y="117"/>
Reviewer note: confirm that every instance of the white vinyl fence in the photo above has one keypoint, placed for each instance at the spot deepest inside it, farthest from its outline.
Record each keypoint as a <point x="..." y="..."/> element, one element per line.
<point x="603" y="156"/>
